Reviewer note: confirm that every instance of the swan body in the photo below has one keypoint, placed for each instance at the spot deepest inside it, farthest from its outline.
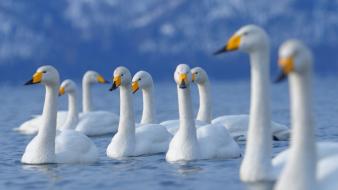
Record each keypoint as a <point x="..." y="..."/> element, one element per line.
<point x="308" y="165"/>
<point x="237" y="125"/>
<point x="256" y="165"/>
<point x="130" y="141"/>
<point x="191" y="143"/>
<point x="173" y="125"/>
<point x="47" y="146"/>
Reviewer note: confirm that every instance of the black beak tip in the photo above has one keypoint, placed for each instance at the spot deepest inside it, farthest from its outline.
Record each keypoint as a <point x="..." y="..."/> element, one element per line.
<point x="282" y="76"/>
<point x="29" y="82"/>
<point x="113" y="87"/>
<point x="222" y="50"/>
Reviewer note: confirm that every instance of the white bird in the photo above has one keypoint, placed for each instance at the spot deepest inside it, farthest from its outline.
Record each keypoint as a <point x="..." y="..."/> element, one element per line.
<point x="191" y="143"/>
<point x="256" y="165"/>
<point x="128" y="141"/>
<point x="237" y="125"/>
<point x="304" y="169"/>
<point x="68" y="146"/>
<point x="106" y="121"/>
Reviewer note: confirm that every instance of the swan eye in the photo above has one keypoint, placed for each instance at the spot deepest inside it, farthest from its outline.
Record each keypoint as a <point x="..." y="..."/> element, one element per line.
<point x="44" y="71"/>
<point x="139" y="79"/>
<point x="196" y="73"/>
<point x="245" y="33"/>
<point x="121" y="75"/>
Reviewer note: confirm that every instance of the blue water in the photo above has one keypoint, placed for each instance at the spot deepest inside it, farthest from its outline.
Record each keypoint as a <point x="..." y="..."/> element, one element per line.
<point x="152" y="172"/>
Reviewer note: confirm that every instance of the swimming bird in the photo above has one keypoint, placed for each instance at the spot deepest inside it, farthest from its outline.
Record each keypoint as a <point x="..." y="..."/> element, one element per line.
<point x="256" y="165"/>
<point x="128" y="141"/>
<point x="190" y="143"/>
<point x="237" y="125"/>
<point x="306" y="168"/>
<point x="47" y="147"/>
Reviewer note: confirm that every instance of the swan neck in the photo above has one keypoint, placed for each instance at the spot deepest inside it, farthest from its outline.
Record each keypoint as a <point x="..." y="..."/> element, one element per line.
<point x="127" y="120"/>
<point x="86" y="93"/>
<point x="187" y="121"/>
<point x="148" y="114"/>
<point x="204" y="111"/>
<point x="258" y="151"/>
<point x="47" y="131"/>
<point x="302" y="157"/>
<point x="73" y="114"/>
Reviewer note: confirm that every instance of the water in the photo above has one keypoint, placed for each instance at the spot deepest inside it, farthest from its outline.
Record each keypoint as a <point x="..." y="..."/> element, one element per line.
<point x="151" y="172"/>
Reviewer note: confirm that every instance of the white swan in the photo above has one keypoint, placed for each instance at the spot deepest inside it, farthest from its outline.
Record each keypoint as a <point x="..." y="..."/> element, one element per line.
<point x="68" y="146"/>
<point x="191" y="143"/>
<point x="256" y="165"/>
<point x="128" y="141"/>
<point x="303" y="169"/>
<point x="237" y="125"/>
<point x="107" y="121"/>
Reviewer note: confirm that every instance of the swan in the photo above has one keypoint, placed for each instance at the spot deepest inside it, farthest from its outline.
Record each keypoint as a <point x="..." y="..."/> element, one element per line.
<point x="143" y="80"/>
<point x="128" y="141"/>
<point x="191" y="143"/>
<point x="303" y="169"/>
<point x="256" y="165"/>
<point x="107" y="121"/>
<point x="68" y="146"/>
<point x="237" y="125"/>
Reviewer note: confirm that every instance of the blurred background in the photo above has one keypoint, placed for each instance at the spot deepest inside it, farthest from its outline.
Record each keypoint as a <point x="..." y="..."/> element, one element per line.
<point x="155" y="35"/>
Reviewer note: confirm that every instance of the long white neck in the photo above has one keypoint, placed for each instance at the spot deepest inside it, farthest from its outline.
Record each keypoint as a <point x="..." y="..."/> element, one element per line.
<point x="73" y="114"/>
<point x="187" y="121"/>
<point x="256" y="165"/>
<point x="148" y="114"/>
<point x="127" y="120"/>
<point x="47" y="131"/>
<point x="204" y="111"/>
<point x="86" y="96"/>
<point x="300" y="170"/>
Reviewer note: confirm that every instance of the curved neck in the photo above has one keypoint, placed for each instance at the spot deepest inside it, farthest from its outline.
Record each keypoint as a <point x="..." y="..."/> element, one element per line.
<point x="47" y="131"/>
<point x="127" y="120"/>
<point x="259" y="141"/>
<point x="86" y="96"/>
<point x="187" y="121"/>
<point x="300" y="169"/>
<point x="204" y="111"/>
<point x="73" y="115"/>
<point x="148" y="114"/>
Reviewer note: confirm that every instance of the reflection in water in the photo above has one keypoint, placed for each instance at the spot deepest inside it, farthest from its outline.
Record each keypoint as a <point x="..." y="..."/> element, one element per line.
<point x="47" y="169"/>
<point x="187" y="168"/>
<point x="265" y="185"/>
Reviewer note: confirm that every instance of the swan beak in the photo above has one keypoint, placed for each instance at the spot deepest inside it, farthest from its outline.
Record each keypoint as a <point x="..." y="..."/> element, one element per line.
<point x="193" y="77"/>
<point x="116" y="83"/>
<point x="287" y="66"/>
<point x="134" y="86"/>
<point x="232" y="45"/>
<point x="61" y="91"/>
<point x="101" y="80"/>
<point x="37" y="77"/>
<point x="183" y="81"/>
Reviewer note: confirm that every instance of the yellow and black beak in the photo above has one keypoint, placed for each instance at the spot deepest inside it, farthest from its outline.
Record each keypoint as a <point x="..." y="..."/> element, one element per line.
<point x="36" y="79"/>
<point x="232" y="45"/>
<point x="134" y="86"/>
<point x="183" y="81"/>
<point x="116" y="83"/>
<point x="61" y="91"/>
<point x="287" y="66"/>
<point x="101" y="80"/>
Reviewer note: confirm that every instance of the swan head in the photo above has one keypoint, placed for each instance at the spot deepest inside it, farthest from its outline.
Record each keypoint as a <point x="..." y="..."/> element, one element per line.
<point x="141" y="80"/>
<point x="294" y="57"/>
<point x="122" y="77"/>
<point x="248" y="38"/>
<point x="183" y="76"/>
<point x="46" y="75"/>
<point x="199" y="76"/>
<point x="67" y="87"/>
<point x="93" y="77"/>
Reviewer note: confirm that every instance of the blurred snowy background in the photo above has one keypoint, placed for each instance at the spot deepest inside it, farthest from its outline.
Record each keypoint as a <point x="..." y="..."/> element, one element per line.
<point x="155" y="35"/>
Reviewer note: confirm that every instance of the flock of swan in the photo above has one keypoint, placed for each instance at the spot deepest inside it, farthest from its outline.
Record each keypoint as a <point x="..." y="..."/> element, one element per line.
<point x="63" y="136"/>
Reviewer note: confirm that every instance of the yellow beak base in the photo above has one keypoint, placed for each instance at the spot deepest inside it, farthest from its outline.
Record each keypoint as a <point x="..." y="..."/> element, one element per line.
<point x="183" y="80"/>
<point x="37" y="77"/>
<point x="116" y="83"/>
<point x="134" y="86"/>
<point x="233" y="43"/>
<point x="100" y="79"/>
<point x="286" y="64"/>
<point x="61" y="91"/>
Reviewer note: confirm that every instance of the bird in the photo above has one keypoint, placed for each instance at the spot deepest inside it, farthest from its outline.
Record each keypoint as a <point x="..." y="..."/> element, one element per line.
<point x="68" y="146"/>
<point x="128" y="141"/>
<point x="237" y="125"/>
<point x="191" y="143"/>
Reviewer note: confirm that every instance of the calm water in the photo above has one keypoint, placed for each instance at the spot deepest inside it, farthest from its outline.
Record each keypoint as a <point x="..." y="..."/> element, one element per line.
<point x="152" y="172"/>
